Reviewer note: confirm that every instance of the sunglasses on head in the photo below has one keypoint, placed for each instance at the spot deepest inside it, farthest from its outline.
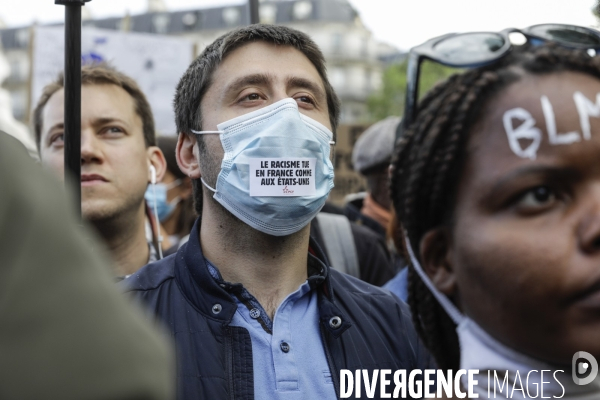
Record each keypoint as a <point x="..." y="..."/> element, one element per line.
<point x="477" y="49"/>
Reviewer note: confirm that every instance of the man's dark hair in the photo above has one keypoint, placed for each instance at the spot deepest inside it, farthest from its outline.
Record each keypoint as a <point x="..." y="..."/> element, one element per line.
<point x="429" y="160"/>
<point x="197" y="79"/>
<point x="99" y="74"/>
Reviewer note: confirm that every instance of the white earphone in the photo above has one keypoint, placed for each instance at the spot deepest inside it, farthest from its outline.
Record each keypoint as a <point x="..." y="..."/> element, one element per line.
<point x="158" y="235"/>
<point x="152" y="174"/>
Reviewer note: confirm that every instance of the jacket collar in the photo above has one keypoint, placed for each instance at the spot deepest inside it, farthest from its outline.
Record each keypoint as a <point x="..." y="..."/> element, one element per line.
<point x="211" y="299"/>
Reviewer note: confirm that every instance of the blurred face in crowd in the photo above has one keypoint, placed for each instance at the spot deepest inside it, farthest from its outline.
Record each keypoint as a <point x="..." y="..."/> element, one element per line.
<point x="114" y="159"/>
<point x="524" y="248"/>
<point x="254" y="76"/>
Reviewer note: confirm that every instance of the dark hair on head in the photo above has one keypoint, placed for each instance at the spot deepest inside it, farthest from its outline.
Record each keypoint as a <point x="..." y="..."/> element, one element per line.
<point x="168" y="145"/>
<point x="99" y="74"/>
<point x="429" y="158"/>
<point x="197" y="79"/>
<point x="187" y="215"/>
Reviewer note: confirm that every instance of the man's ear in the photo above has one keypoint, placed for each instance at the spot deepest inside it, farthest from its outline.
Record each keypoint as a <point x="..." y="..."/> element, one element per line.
<point x="187" y="147"/>
<point x="435" y="252"/>
<point x="156" y="158"/>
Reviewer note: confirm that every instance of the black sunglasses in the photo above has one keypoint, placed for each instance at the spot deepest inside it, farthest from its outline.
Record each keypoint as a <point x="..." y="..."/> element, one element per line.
<point x="477" y="49"/>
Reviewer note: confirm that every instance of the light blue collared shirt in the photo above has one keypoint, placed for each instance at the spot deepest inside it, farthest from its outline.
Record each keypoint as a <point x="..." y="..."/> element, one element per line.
<point x="287" y="353"/>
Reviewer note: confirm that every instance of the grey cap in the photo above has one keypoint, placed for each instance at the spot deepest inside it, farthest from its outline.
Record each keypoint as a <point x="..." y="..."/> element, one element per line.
<point x="376" y="145"/>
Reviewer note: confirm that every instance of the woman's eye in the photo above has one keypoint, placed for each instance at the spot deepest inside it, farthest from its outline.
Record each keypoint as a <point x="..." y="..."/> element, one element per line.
<point x="538" y="197"/>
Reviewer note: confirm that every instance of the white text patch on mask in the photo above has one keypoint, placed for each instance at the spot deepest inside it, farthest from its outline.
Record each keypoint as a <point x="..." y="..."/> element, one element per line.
<point x="282" y="177"/>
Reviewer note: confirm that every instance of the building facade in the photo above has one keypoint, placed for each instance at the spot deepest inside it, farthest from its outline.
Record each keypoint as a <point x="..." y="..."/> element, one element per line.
<point x="354" y="57"/>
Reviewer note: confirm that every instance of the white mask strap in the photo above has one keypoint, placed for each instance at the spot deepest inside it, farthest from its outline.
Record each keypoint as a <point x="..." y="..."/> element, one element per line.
<point x="207" y="132"/>
<point x="450" y="308"/>
<point x="208" y="187"/>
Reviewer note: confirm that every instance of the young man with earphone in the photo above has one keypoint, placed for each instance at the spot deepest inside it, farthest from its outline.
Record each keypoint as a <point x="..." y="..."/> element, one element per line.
<point x="119" y="158"/>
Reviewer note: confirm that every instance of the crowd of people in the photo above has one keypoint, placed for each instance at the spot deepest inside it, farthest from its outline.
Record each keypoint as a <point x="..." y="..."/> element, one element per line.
<point x="475" y="246"/>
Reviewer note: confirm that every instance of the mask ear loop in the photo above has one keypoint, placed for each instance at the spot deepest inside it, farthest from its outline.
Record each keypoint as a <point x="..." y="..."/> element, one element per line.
<point x="448" y="306"/>
<point x="157" y="227"/>
<point x="206" y="132"/>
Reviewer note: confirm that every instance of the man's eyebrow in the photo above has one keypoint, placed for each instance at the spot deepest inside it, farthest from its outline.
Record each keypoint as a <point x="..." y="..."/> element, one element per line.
<point x="247" y="80"/>
<point x="58" y="125"/>
<point x="108" y="120"/>
<point x="303" y="83"/>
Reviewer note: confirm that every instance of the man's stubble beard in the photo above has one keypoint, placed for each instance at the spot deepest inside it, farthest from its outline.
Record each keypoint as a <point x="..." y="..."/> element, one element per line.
<point x="112" y="218"/>
<point x="236" y="235"/>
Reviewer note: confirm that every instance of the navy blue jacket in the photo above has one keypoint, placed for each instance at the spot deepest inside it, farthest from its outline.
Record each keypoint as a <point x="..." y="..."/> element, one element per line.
<point x="214" y="359"/>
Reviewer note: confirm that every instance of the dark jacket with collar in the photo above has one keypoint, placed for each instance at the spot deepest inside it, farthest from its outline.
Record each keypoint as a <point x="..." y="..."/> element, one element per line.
<point x="214" y="359"/>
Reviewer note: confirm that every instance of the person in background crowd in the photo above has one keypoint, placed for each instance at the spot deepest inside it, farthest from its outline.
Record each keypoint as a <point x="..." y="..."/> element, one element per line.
<point x="67" y="333"/>
<point x="175" y="204"/>
<point x="371" y="157"/>
<point x="119" y="158"/>
<point x="352" y="248"/>
<point x="496" y="185"/>
<point x="255" y="311"/>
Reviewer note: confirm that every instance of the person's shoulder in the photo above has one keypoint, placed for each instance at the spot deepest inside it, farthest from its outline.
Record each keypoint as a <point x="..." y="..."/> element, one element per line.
<point x="346" y="285"/>
<point x="151" y="276"/>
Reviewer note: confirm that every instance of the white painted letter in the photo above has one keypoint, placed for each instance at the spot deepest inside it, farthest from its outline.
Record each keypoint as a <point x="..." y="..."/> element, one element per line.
<point x="526" y="130"/>
<point x="556" y="138"/>
<point x="586" y="109"/>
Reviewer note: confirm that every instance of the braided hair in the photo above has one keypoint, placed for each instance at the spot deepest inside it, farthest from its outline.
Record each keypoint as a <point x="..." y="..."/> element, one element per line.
<point x="429" y="158"/>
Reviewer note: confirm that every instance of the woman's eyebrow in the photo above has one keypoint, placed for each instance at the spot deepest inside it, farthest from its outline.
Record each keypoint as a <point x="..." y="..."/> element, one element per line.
<point x="559" y="174"/>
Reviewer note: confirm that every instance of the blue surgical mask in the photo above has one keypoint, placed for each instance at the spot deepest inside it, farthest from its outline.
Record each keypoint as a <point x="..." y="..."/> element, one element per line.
<point x="276" y="173"/>
<point x="164" y="208"/>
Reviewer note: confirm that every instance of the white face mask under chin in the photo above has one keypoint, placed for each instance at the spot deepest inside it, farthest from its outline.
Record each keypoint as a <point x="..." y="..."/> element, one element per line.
<point x="479" y="350"/>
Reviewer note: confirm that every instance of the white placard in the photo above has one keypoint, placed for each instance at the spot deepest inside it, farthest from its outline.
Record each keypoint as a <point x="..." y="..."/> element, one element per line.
<point x="156" y="62"/>
<point x="282" y="177"/>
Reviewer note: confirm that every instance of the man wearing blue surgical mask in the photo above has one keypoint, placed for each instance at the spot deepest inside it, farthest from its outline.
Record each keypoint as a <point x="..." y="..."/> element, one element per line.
<point x="255" y="309"/>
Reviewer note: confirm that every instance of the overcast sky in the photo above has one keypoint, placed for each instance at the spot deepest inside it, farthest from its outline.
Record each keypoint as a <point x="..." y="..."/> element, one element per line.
<point x="403" y="23"/>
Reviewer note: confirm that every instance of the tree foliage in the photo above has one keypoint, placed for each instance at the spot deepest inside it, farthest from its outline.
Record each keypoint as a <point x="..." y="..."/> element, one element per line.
<point x="389" y="100"/>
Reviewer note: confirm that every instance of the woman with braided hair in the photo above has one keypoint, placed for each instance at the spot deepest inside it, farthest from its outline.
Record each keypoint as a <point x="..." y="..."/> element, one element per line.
<point x="496" y="183"/>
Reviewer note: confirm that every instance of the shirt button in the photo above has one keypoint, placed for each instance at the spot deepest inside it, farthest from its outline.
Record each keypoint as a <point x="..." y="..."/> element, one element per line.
<point x="255" y="313"/>
<point x="216" y="308"/>
<point x="284" y="347"/>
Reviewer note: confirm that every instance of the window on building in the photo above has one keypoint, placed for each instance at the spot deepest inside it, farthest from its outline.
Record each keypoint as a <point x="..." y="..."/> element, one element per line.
<point x="303" y="10"/>
<point x="231" y="16"/>
<point x="161" y="23"/>
<point x="337" y="43"/>
<point x="268" y="13"/>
